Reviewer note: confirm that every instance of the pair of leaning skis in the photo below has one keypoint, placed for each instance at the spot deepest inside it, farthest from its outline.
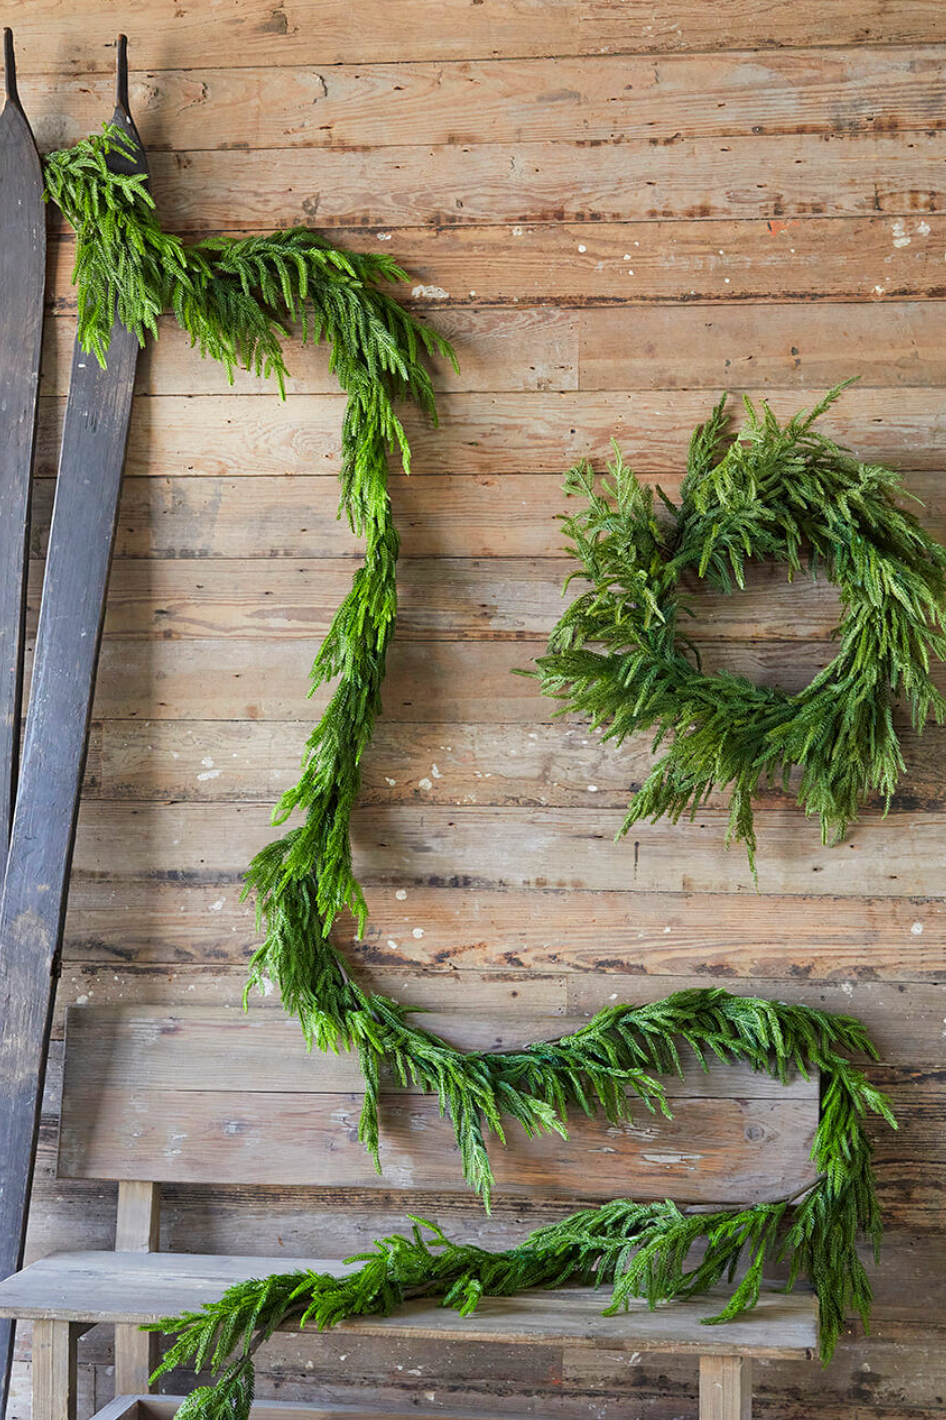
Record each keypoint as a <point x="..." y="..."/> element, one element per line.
<point x="40" y="784"/>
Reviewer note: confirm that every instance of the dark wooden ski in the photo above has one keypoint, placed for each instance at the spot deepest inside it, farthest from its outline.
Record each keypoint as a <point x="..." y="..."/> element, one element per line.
<point x="22" y="286"/>
<point x="33" y="906"/>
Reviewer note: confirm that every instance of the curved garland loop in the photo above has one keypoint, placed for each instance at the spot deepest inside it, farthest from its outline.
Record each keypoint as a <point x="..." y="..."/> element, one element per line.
<point x="789" y="495"/>
<point x="236" y="300"/>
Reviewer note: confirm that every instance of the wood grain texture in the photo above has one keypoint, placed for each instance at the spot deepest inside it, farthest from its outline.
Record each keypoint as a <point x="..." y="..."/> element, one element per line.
<point x="602" y="98"/>
<point x="499" y="434"/>
<point x="726" y="1388"/>
<point x="327" y="32"/>
<point x="528" y="848"/>
<point x="699" y="260"/>
<point x="145" y="1287"/>
<point x="228" y="1099"/>
<point x="450" y="515"/>
<point x="770" y="346"/>
<point x="774" y="177"/>
<point x="497" y="888"/>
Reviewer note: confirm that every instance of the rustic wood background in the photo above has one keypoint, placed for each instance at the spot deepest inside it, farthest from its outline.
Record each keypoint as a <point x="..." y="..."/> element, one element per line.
<point x="616" y="208"/>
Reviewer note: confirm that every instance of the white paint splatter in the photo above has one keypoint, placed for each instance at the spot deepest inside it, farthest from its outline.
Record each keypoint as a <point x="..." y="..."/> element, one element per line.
<point x="923" y="229"/>
<point x="917" y="929"/>
<point x="389" y="781"/>
<point x="209" y="774"/>
<point x="425" y="784"/>
<point x="418" y="932"/>
<point x="430" y="293"/>
<point x="208" y="761"/>
<point x="216" y="906"/>
<point x="401" y="894"/>
<point x="582" y="247"/>
<point x="900" y="238"/>
<point x="435" y="771"/>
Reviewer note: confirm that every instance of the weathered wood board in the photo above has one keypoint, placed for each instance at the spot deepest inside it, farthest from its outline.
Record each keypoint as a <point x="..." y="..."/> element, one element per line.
<point x="145" y="1287"/>
<point x="489" y="865"/>
<point x="22" y="285"/>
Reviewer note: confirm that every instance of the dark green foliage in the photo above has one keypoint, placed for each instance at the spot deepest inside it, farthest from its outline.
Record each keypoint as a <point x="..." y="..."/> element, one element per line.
<point x="785" y="493"/>
<point x="645" y="1250"/>
<point x="237" y="299"/>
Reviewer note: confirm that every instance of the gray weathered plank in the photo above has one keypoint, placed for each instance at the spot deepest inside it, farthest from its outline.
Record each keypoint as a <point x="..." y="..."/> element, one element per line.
<point x="143" y="1287"/>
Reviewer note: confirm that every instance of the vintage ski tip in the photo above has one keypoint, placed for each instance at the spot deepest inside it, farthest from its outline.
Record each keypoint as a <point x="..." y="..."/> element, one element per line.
<point x="9" y="68"/>
<point x="122" y="116"/>
<point x="121" y="75"/>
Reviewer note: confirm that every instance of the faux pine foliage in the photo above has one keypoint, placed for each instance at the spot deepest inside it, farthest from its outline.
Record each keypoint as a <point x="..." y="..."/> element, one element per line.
<point x="651" y="1250"/>
<point x="620" y="658"/>
<point x="237" y="300"/>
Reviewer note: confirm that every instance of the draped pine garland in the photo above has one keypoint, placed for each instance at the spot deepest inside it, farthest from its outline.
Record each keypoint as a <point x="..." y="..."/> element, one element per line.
<point x="237" y="300"/>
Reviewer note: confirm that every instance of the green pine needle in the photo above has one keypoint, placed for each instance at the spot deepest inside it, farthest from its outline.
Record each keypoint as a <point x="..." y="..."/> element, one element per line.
<point x="237" y="300"/>
<point x="778" y="492"/>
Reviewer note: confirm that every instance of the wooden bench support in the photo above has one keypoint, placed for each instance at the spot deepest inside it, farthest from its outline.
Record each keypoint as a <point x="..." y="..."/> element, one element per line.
<point x="725" y="1388"/>
<point x="54" y="1369"/>
<point x="138" y="1230"/>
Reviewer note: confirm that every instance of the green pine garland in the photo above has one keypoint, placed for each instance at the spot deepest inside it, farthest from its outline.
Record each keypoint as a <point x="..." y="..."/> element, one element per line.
<point x="237" y="299"/>
<point x="642" y="1249"/>
<point x="618" y="657"/>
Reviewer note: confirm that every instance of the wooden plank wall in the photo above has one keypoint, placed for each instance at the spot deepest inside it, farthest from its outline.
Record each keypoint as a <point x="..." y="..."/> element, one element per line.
<point x="616" y="208"/>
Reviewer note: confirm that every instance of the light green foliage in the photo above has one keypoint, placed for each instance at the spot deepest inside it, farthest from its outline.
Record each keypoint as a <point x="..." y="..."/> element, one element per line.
<point x="237" y="300"/>
<point x="651" y="1250"/>
<point x="785" y="493"/>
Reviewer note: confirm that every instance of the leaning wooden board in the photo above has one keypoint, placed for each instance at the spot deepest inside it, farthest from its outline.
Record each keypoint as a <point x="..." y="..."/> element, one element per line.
<point x="22" y="284"/>
<point x="33" y="906"/>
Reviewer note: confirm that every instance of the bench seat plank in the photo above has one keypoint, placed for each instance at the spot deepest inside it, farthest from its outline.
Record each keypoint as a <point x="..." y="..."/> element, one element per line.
<point x="140" y="1287"/>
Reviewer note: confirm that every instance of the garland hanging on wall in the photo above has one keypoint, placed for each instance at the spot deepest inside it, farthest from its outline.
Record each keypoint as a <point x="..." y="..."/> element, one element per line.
<point x="785" y="494"/>
<point x="236" y="299"/>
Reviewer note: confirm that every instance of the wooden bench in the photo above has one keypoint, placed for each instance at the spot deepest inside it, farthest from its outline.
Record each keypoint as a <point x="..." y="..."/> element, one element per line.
<point x="208" y="1095"/>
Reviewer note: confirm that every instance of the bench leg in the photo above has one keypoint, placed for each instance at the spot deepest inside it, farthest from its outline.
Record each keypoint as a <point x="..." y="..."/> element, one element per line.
<point x="54" y="1369"/>
<point x="136" y="1356"/>
<point x="137" y="1230"/>
<point x="725" y="1388"/>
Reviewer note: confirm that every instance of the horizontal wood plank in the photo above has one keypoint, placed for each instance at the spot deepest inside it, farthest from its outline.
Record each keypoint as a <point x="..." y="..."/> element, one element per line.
<point x="584" y="263"/>
<point x="500" y="434"/>
<point x="712" y="1151"/>
<point x="145" y="1287"/>
<point x="450" y="515"/>
<point x="141" y="1050"/>
<point x="443" y="682"/>
<point x="518" y="599"/>
<point x="464" y="184"/>
<point x="601" y="97"/>
<point x="175" y="931"/>
<point x="504" y="765"/>
<point x="328" y="32"/>
<point x="528" y="848"/>
<point x="890" y="345"/>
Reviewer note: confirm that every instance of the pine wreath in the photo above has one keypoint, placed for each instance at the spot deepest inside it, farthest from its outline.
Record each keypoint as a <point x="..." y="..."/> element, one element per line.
<point x="237" y="300"/>
<point x="789" y="495"/>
